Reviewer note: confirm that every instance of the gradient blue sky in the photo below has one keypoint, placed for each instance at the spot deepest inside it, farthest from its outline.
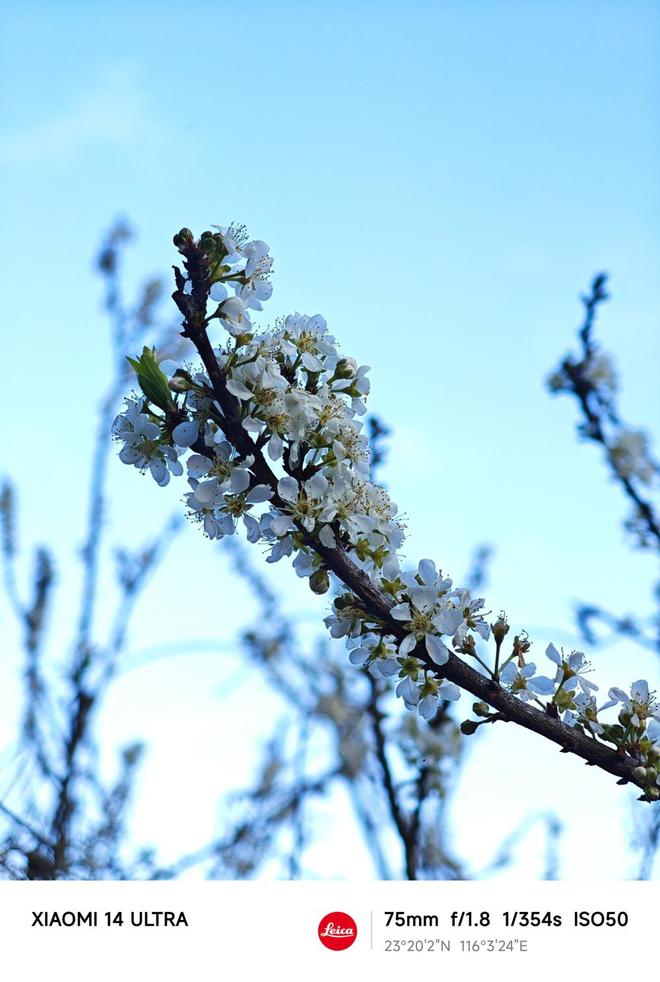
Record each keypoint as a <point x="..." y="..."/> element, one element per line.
<point x="440" y="180"/>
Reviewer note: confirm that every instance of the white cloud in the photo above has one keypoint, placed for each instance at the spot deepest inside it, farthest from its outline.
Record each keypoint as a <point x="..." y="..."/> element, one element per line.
<point x="111" y="113"/>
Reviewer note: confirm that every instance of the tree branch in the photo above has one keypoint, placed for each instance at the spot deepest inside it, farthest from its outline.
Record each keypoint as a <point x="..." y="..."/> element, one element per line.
<point x="195" y="323"/>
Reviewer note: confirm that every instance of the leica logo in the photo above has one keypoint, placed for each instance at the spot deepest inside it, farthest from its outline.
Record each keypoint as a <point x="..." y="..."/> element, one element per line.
<point x="337" y="930"/>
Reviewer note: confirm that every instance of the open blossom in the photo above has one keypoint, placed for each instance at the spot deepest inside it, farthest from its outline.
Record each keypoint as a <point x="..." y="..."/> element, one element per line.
<point x="422" y="692"/>
<point x="640" y="702"/>
<point x="584" y="711"/>
<point x="571" y="670"/>
<point x="523" y="681"/>
<point x="304" y="502"/>
<point x="223" y="471"/>
<point x="599" y="371"/>
<point x="379" y="655"/>
<point x="234" y="316"/>
<point x="307" y="341"/>
<point x="144" y="446"/>
<point x="220" y="515"/>
<point x="473" y="618"/>
<point x="430" y="700"/>
<point x="630" y="457"/>
<point x="426" y="616"/>
<point x="246" y="265"/>
<point x="258" y="267"/>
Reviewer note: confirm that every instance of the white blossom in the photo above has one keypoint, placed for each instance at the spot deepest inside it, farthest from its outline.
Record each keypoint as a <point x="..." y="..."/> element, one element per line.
<point x="571" y="670"/>
<point x="629" y="454"/>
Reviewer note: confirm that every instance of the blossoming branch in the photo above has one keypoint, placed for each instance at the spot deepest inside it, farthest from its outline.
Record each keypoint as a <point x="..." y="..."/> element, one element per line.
<point x="270" y="427"/>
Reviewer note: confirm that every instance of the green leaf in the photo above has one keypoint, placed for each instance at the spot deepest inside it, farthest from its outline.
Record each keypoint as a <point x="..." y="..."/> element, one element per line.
<point x="152" y="380"/>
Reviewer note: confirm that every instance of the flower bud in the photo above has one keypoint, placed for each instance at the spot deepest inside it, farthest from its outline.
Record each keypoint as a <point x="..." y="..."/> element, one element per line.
<point x="481" y="709"/>
<point x="346" y="368"/>
<point x="653" y="793"/>
<point x="319" y="581"/>
<point x="468" y="727"/>
<point x="639" y="774"/>
<point x="180" y="381"/>
<point x="207" y="242"/>
<point x="182" y="238"/>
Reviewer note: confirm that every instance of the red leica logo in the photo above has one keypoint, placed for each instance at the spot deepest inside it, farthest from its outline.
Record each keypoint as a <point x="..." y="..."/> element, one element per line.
<point x="337" y="930"/>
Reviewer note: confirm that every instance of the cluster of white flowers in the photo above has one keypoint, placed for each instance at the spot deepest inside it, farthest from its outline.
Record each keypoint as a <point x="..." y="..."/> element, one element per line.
<point x="592" y="379"/>
<point x="572" y="694"/>
<point x="240" y="265"/>
<point x="144" y="446"/>
<point x="301" y="403"/>
<point x="597" y="369"/>
<point x="630" y="456"/>
<point x="627" y="449"/>
<point x="428" y="609"/>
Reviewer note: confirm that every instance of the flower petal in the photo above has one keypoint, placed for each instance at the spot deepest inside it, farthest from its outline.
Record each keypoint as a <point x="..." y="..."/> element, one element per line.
<point x="450" y="691"/>
<point x="185" y="434"/>
<point x="541" y="685"/>
<point x="552" y="653"/>
<point x="438" y="651"/>
<point x="259" y="493"/>
<point x="401" y="612"/>
<point x="287" y="488"/>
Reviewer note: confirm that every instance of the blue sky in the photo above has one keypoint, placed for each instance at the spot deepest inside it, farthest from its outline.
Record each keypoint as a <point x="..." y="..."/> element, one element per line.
<point x="440" y="180"/>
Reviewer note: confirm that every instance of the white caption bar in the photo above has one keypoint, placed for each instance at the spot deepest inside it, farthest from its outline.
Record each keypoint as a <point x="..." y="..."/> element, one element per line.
<point x="201" y="931"/>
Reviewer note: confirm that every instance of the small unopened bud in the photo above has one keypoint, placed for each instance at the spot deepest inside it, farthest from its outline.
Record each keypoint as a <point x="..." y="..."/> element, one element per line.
<point x="180" y="381"/>
<point x="481" y="709"/>
<point x="346" y="368"/>
<point x="651" y="775"/>
<point x="653" y="793"/>
<point x="468" y="727"/>
<point x="639" y="774"/>
<point x="182" y="238"/>
<point x="319" y="582"/>
<point x="341" y="603"/>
